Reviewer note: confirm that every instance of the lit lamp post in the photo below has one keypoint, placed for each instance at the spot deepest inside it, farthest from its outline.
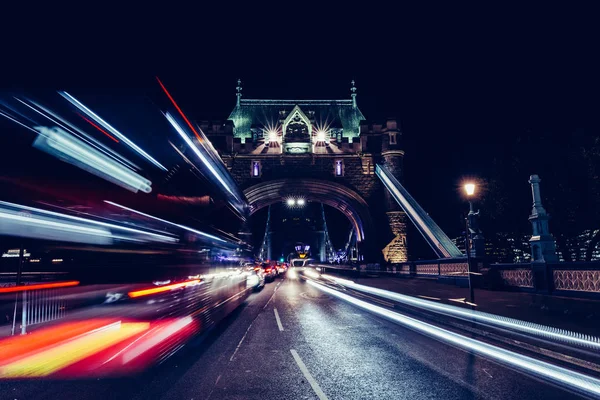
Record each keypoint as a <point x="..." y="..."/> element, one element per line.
<point x="470" y="191"/>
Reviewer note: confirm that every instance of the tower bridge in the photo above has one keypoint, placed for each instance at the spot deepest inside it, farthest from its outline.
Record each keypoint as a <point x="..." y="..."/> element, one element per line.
<point x="327" y="152"/>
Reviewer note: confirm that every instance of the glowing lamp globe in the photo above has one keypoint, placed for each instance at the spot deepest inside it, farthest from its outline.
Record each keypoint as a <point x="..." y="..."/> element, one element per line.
<point x="272" y="136"/>
<point x="470" y="189"/>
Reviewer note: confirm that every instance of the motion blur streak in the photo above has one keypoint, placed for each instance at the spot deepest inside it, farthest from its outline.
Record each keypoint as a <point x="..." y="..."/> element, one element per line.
<point x="98" y="128"/>
<point x="22" y="345"/>
<point x="146" y="292"/>
<point x="179" y="109"/>
<point x="311" y="273"/>
<point x="109" y="128"/>
<point x="39" y="286"/>
<point x="165" y="221"/>
<point x="86" y="138"/>
<point x="514" y="324"/>
<point x="574" y="380"/>
<point x="161" y="335"/>
<point x="47" y="228"/>
<point x="57" y="142"/>
<point x="201" y="156"/>
<point x="62" y="355"/>
<point x="17" y="122"/>
<point x="57" y="229"/>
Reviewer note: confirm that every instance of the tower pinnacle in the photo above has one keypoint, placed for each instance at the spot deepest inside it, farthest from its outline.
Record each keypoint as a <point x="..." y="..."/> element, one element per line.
<point x="353" y="90"/>
<point x="239" y="92"/>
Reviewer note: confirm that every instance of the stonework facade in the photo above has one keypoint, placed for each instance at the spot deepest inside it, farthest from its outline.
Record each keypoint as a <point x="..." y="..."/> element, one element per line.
<point x="318" y="140"/>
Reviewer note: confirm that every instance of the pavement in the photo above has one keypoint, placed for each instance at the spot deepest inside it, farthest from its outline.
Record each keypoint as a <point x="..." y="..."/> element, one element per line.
<point x="293" y="341"/>
<point x="570" y="313"/>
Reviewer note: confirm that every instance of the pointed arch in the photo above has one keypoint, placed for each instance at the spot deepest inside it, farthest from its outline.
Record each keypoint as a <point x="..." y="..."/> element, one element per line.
<point x="297" y="111"/>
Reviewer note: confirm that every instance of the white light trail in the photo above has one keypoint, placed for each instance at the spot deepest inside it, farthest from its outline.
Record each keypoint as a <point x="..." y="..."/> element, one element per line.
<point x="109" y="127"/>
<point x="84" y="136"/>
<point x="19" y="207"/>
<point x="201" y="156"/>
<point x="472" y="315"/>
<point x="44" y="228"/>
<point x="84" y="156"/>
<point x="573" y="380"/>
<point x="18" y="122"/>
<point x="187" y="228"/>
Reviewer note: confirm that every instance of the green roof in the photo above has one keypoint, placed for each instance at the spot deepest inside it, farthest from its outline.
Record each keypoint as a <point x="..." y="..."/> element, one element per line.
<point x="262" y="113"/>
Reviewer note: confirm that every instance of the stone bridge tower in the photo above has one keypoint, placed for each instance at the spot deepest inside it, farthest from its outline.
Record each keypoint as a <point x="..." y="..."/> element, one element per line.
<point x="322" y="150"/>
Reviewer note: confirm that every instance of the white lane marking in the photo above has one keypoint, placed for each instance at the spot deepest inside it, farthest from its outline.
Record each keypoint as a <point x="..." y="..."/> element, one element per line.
<point x="308" y="376"/>
<point x="278" y="320"/>
<point x="273" y="295"/>
<point x="241" y="341"/>
<point x="248" y="330"/>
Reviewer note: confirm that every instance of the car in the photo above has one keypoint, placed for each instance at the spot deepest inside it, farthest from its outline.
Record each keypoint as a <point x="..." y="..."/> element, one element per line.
<point x="256" y="277"/>
<point x="281" y="268"/>
<point x="270" y="272"/>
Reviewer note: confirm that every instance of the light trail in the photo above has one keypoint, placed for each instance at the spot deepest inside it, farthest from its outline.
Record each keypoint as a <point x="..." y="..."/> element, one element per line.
<point x="179" y="110"/>
<point x="110" y="128"/>
<point x="547" y="332"/>
<point x="80" y="154"/>
<point x="22" y="288"/>
<point x="98" y="128"/>
<point x="187" y="228"/>
<point x="87" y="138"/>
<point x="161" y="289"/>
<point x="19" y="207"/>
<point x="571" y="379"/>
<point x="201" y="156"/>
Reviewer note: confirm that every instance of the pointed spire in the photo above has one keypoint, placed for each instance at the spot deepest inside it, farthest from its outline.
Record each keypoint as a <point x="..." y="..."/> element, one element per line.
<point x="353" y="90"/>
<point x="239" y="91"/>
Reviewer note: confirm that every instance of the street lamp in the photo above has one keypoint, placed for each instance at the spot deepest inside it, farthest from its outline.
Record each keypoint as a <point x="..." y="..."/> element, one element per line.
<point x="291" y="202"/>
<point x="300" y="202"/>
<point x="470" y="191"/>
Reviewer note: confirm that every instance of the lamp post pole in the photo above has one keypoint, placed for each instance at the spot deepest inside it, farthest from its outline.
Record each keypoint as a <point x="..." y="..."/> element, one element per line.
<point x="468" y="251"/>
<point x="469" y="221"/>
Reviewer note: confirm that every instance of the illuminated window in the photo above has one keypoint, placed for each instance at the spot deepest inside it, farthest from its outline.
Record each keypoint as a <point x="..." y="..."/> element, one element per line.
<point x="255" y="169"/>
<point x="339" y="168"/>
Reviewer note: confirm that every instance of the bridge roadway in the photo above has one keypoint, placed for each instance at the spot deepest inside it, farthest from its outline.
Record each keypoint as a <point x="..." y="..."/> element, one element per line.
<point x="292" y="341"/>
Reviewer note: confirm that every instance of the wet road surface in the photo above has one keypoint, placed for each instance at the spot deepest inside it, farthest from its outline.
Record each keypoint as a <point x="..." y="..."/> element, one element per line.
<point x="292" y="341"/>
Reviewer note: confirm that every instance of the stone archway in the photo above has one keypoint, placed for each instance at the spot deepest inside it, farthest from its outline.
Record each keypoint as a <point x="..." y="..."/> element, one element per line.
<point x="329" y="193"/>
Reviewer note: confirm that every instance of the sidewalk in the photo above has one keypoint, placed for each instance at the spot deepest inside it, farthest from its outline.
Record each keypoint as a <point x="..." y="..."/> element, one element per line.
<point x="574" y="314"/>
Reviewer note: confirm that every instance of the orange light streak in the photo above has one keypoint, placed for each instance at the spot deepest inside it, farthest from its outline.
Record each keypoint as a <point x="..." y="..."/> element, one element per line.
<point x="38" y="286"/>
<point x="21" y="345"/>
<point x="160" y="289"/>
<point x="179" y="109"/>
<point x="100" y="129"/>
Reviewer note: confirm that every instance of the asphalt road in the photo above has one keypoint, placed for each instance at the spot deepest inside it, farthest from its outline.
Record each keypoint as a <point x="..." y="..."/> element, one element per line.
<point x="291" y="341"/>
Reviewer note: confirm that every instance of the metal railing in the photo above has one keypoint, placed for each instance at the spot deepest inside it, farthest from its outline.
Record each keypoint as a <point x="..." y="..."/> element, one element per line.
<point x="39" y="306"/>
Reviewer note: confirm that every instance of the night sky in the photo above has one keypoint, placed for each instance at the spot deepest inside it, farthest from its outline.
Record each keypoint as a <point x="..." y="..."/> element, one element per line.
<point x="463" y="82"/>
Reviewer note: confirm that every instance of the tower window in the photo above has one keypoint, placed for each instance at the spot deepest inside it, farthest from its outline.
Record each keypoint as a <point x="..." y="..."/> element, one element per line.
<point x="339" y="168"/>
<point x="392" y="138"/>
<point x="256" y="170"/>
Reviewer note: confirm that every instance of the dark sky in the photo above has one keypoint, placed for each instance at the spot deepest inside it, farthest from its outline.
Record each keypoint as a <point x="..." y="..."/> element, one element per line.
<point x="463" y="81"/>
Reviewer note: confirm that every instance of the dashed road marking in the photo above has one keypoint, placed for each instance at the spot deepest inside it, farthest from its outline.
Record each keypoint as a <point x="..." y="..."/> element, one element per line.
<point x="313" y="383"/>
<point x="278" y="320"/>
